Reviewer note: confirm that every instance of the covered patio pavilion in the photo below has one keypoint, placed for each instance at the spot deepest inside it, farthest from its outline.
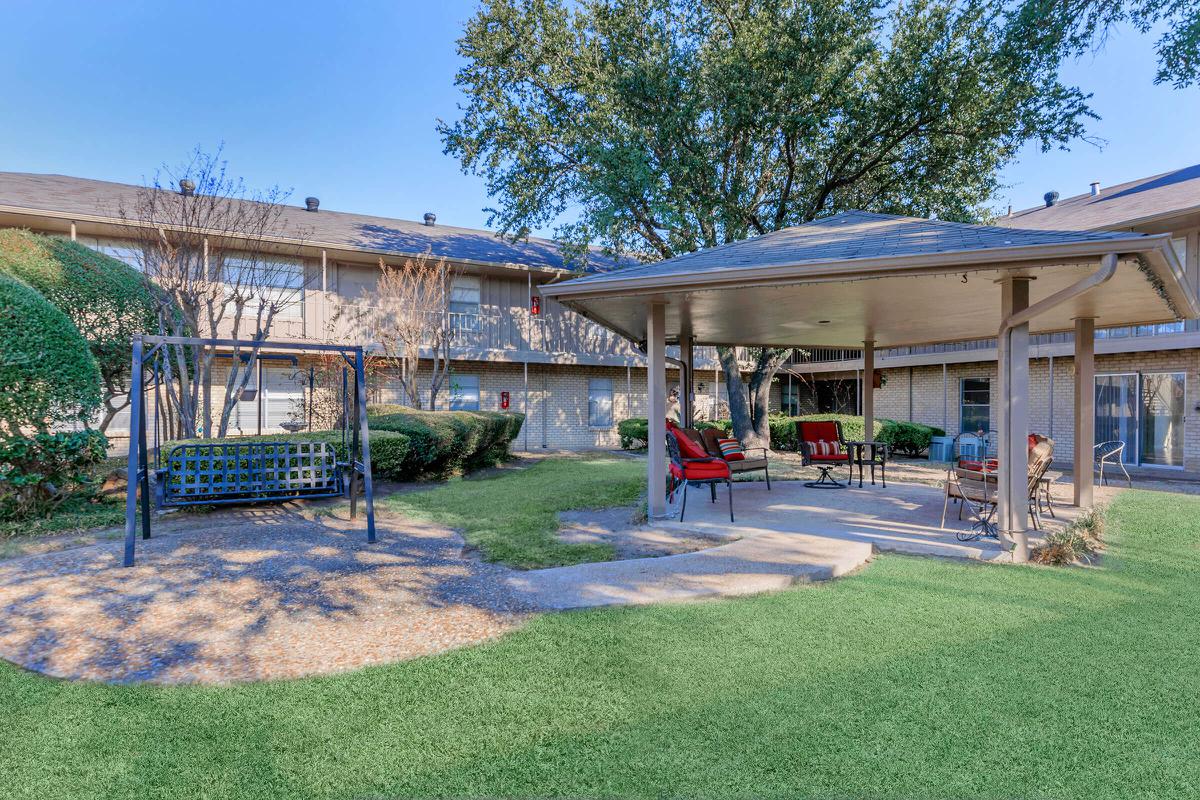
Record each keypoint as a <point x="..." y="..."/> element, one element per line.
<point x="859" y="279"/>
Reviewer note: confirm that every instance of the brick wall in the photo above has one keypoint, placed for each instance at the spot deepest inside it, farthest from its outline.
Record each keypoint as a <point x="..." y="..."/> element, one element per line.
<point x="935" y="402"/>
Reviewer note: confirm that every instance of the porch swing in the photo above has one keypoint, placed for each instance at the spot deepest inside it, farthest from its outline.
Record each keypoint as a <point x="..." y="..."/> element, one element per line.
<point x="218" y="473"/>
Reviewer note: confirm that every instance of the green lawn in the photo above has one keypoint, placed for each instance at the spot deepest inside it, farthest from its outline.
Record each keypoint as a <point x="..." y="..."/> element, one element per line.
<point x="512" y="517"/>
<point x="916" y="678"/>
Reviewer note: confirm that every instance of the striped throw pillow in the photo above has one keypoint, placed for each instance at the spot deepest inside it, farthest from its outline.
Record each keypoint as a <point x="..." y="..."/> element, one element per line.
<point x="824" y="448"/>
<point x="731" y="449"/>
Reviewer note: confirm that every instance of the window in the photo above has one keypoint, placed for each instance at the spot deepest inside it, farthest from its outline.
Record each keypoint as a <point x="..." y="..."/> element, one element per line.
<point x="120" y="249"/>
<point x="600" y="403"/>
<point x="464" y="392"/>
<point x="276" y="280"/>
<point x="464" y="295"/>
<point x="975" y="408"/>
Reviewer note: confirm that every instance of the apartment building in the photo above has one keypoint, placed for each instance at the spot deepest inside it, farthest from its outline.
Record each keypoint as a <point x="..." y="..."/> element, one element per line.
<point x="1147" y="389"/>
<point x="511" y="350"/>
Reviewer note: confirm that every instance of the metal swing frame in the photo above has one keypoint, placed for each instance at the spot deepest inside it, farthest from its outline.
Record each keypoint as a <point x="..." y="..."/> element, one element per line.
<point x="138" y="464"/>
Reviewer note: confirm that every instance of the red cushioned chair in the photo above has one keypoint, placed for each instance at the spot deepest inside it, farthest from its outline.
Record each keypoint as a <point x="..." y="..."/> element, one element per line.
<point x="823" y="446"/>
<point x="691" y="464"/>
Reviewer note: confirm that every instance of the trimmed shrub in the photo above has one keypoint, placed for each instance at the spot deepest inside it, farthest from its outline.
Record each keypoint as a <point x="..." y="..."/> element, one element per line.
<point x="47" y="373"/>
<point x="389" y="450"/>
<point x="908" y="438"/>
<point x="447" y="442"/>
<point x="634" y="433"/>
<point x="38" y="472"/>
<point x="106" y="299"/>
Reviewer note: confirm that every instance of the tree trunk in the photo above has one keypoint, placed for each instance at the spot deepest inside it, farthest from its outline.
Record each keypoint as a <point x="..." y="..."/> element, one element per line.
<point x="739" y="401"/>
<point x="749" y="406"/>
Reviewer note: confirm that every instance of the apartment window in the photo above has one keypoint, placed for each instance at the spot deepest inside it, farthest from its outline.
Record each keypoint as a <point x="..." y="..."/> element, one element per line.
<point x="600" y="403"/>
<point x="975" y="405"/>
<point x="276" y="280"/>
<point x="464" y="295"/>
<point x="464" y="392"/>
<point x="120" y="249"/>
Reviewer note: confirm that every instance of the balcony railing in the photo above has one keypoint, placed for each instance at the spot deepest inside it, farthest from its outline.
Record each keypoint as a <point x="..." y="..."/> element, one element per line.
<point x="821" y="355"/>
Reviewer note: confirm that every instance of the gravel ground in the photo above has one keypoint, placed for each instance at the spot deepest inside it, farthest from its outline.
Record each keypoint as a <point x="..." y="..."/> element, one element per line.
<point x="233" y="600"/>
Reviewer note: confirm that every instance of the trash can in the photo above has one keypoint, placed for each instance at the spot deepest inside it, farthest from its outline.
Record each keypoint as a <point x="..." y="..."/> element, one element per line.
<point x="940" y="448"/>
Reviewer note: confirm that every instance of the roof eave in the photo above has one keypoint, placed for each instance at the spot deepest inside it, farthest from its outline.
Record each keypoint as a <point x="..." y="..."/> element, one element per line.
<point x="885" y="266"/>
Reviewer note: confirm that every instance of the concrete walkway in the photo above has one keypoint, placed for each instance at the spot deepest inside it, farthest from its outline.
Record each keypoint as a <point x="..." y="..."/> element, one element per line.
<point x="763" y="561"/>
<point x="790" y="534"/>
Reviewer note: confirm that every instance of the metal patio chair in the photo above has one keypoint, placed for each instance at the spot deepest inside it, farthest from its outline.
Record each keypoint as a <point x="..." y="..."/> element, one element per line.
<point x="1112" y="452"/>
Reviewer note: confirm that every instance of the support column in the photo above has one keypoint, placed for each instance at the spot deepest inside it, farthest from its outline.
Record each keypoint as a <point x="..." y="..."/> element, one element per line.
<point x="868" y="389"/>
<point x="687" y="383"/>
<point x="656" y="400"/>
<point x="1085" y="408"/>
<point x="1012" y="447"/>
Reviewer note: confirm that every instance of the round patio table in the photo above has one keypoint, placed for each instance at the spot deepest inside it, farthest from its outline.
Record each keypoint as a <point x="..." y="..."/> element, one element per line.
<point x="879" y="454"/>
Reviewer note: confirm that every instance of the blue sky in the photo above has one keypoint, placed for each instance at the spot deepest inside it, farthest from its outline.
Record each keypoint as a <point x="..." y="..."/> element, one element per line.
<point x="339" y="100"/>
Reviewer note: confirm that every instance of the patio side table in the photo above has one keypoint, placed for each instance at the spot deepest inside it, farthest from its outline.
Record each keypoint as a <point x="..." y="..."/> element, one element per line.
<point x="879" y="454"/>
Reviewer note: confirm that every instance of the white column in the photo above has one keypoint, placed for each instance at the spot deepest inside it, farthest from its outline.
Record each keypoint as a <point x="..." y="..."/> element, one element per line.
<point x="1085" y="408"/>
<point x="656" y="388"/>
<point x="868" y="389"/>
<point x="1012" y="444"/>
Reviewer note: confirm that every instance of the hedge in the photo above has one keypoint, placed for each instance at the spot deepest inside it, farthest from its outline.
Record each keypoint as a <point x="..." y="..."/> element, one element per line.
<point x="447" y="442"/>
<point x="634" y="433"/>
<point x="38" y="472"/>
<point x="107" y="300"/>
<point x="389" y="450"/>
<point x="47" y="373"/>
<point x="908" y="438"/>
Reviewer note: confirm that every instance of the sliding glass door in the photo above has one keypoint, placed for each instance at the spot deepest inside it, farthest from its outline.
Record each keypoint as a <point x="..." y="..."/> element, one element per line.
<point x="1117" y="412"/>
<point x="1162" y="410"/>
<point x="1146" y="412"/>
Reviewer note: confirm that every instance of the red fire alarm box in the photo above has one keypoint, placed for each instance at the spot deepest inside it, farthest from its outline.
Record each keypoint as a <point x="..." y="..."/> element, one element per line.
<point x="504" y="400"/>
<point x="535" y="305"/>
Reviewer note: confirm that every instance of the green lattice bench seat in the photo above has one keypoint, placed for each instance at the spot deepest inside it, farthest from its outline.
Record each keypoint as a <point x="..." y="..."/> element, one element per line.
<point x="248" y="472"/>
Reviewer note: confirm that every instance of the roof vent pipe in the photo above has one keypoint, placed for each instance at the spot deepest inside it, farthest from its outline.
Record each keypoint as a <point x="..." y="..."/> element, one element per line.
<point x="430" y="218"/>
<point x="1051" y="198"/>
<point x="311" y="204"/>
<point x="1095" y="188"/>
<point x="187" y="188"/>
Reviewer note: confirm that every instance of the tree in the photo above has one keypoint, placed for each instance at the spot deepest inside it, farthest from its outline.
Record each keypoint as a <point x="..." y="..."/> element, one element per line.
<point x="47" y="373"/>
<point x="666" y="126"/>
<point x="412" y="317"/>
<point x="1077" y="25"/>
<point x="105" y="298"/>
<point x="222" y="262"/>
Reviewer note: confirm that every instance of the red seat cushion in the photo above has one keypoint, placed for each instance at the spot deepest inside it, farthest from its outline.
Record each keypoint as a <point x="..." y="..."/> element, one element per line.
<point x="977" y="466"/>
<point x="835" y="457"/>
<point x="700" y="472"/>
<point x="818" y="431"/>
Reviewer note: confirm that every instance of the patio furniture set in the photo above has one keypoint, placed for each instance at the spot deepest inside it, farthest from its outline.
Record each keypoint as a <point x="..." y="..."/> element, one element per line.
<point x="972" y="481"/>
<point x="706" y="458"/>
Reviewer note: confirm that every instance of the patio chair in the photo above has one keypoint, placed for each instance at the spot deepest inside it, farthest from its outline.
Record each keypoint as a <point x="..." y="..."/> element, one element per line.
<point x="1111" y="453"/>
<point x="740" y="459"/>
<point x="823" y="446"/>
<point x="972" y="484"/>
<point x="690" y="464"/>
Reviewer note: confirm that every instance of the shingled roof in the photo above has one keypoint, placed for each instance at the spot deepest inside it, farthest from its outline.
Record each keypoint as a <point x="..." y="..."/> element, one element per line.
<point x="848" y="236"/>
<point x="1123" y="205"/>
<point x="66" y="196"/>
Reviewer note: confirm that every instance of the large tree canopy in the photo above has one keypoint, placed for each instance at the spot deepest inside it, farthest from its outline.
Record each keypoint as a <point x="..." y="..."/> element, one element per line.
<point x="661" y="126"/>
<point x="1077" y="25"/>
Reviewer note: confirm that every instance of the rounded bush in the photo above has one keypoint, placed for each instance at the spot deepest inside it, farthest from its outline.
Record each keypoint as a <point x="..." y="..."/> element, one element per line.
<point x="47" y="373"/>
<point x="107" y="300"/>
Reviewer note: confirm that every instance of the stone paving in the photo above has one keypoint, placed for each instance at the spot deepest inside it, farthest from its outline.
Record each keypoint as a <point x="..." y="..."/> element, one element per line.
<point x="249" y="596"/>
